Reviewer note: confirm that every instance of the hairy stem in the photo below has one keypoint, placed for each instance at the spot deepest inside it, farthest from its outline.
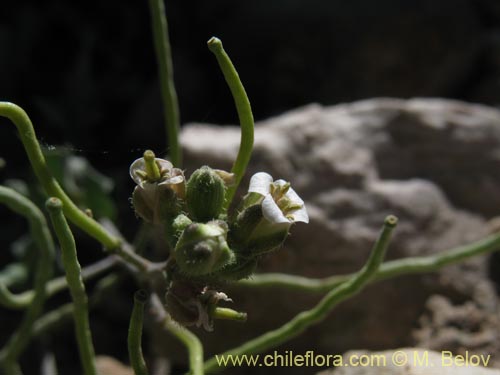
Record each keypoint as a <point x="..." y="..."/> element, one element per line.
<point x="307" y="318"/>
<point x="387" y="270"/>
<point x="135" y="334"/>
<point x="41" y="235"/>
<point x="27" y="134"/>
<point x="166" y="75"/>
<point x="189" y="339"/>
<point x="244" y="114"/>
<point x="75" y="283"/>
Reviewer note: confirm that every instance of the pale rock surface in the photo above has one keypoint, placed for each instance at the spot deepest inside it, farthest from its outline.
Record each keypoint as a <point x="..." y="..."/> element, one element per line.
<point x="434" y="364"/>
<point x="433" y="163"/>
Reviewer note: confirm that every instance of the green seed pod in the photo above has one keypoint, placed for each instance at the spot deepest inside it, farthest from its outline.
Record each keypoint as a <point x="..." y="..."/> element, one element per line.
<point x="202" y="249"/>
<point x="205" y="194"/>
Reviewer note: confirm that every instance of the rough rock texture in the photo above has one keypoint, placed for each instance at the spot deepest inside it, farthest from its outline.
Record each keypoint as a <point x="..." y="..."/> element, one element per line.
<point x="471" y="326"/>
<point x="426" y="161"/>
<point x="433" y="365"/>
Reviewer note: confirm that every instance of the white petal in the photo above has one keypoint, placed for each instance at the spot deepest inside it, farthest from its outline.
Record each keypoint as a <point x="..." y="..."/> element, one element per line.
<point x="301" y="215"/>
<point x="165" y="165"/>
<point x="293" y="196"/>
<point x="260" y="183"/>
<point x="272" y="212"/>
<point x="173" y="181"/>
<point x="138" y="164"/>
<point x="280" y="182"/>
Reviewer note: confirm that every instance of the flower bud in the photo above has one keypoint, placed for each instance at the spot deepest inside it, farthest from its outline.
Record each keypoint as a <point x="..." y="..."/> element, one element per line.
<point x="205" y="194"/>
<point x="180" y="223"/>
<point x="202" y="249"/>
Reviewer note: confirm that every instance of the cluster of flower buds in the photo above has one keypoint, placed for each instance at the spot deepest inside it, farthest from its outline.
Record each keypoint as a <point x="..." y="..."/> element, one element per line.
<point x="209" y="247"/>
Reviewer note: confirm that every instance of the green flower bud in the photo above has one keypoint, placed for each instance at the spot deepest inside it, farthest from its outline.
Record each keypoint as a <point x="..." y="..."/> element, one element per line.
<point x="202" y="249"/>
<point x="180" y="223"/>
<point x="205" y="194"/>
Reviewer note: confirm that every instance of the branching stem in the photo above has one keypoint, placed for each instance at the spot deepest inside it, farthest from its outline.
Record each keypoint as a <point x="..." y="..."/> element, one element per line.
<point x="307" y="318"/>
<point x="28" y="137"/>
<point x="387" y="270"/>
<point x="189" y="339"/>
<point x="41" y="235"/>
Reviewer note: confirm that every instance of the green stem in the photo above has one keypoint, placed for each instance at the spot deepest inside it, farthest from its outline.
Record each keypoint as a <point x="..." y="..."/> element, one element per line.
<point x="13" y="301"/>
<point x="135" y="334"/>
<point x="166" y="75"/>
<point x="24" y="299"/>
<point x="63" y="313"/>
<point x="28" y="137"/>
<point x="75" y="283"/>
<point x="88" y="273"/>
<point x="387" y="270"/>
<point x="224" y="313"/>
<point x="189" y="339"/>
<point x="14" y="274"/>
<point x="39" y="230"/>
<point x="307" y="318"/>
<point x="244" y="114"/>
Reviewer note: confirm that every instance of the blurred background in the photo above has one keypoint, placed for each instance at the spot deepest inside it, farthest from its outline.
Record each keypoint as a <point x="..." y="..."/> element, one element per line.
<point x="85" y="72"/>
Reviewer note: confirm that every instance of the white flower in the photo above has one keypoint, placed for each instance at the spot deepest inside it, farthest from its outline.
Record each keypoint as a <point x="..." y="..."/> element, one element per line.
<point x="169" y="176"/>
<point x="281" y="204"/>
<point x="152" y="185"/>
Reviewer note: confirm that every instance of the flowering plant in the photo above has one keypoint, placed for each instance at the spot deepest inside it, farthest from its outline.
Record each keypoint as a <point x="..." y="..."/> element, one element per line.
<point x="209" y="242"/>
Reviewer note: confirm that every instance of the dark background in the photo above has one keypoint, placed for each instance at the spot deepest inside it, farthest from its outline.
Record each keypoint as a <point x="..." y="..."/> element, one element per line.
<point x="86" y="74"/>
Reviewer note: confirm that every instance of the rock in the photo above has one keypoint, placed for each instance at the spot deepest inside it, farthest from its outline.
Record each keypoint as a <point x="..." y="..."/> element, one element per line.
<point x="109" y="366"/>
<point x="467" y="327"/>
<point x="433" y="363"/>
<point x="434" y="139"/>
<point x="433" y="163"/>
